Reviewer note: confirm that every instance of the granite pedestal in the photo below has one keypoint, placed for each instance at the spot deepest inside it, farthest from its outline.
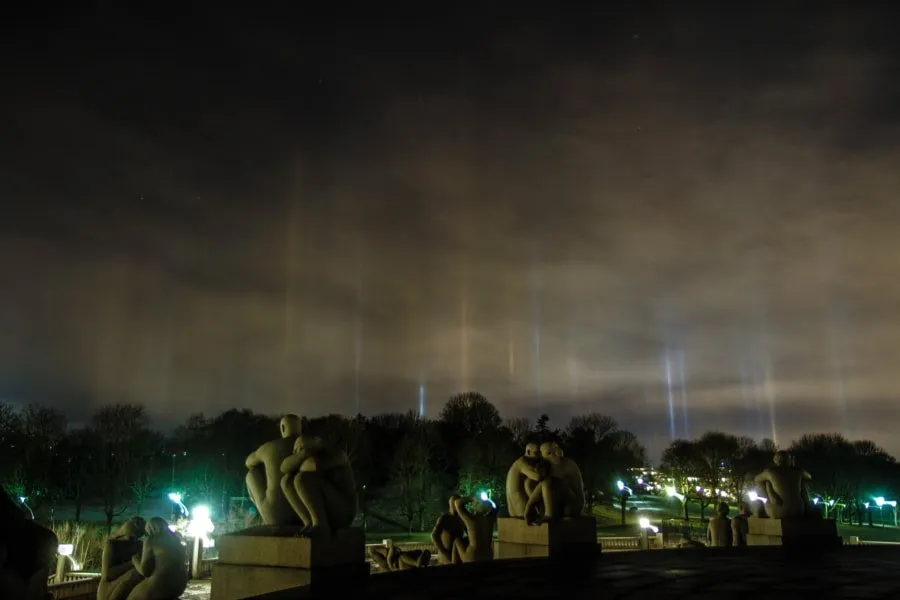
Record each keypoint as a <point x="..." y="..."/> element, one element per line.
<point x="271" y="558"/>
<point x="566" y="538"/>
<point x="793" y="532"/>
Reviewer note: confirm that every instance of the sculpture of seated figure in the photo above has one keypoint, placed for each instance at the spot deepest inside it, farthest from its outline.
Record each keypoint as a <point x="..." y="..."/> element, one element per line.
<point x="718" y="532"/>
<point x="27" y="551"/>
<point x="561" y="493"/>
<point x="785" y="487"/>
<point x="391" y="558"/>
<point x="319" y="485"/>
<point x="264" y="475"/>
<point x="448" y="528"/>
<point x="479" y="542"/>
<point x="523" y="477"/>
<point x="162" y="564"/>
<point x="118" y="576"/>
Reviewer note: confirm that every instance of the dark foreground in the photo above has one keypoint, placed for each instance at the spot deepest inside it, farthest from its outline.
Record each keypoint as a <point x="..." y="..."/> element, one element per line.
<point x="757" y="573"/>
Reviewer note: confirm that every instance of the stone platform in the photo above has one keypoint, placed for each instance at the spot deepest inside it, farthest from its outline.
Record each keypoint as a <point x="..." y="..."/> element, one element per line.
<point x="563" y="538"/>
<point x="767" y="573"/>
<point x="792" y="532"/>
<point x="271" y="558"/>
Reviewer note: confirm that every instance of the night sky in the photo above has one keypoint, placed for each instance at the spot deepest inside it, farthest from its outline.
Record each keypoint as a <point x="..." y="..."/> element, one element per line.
<point x="685" y="218"/>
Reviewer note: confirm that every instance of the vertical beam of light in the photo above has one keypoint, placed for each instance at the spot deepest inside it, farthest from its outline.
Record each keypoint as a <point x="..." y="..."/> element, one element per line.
<point x="770" y="397"/>
<point x="682" y="386"/>
<point x="290" y="269"/>
<point x="464" y="337"/>
<point x="536" y="329"/>
<point x="358" y="334"/>
<point x="421" y="400"/>
<point x="830" y="253"/>
<point x="668" y="366"/>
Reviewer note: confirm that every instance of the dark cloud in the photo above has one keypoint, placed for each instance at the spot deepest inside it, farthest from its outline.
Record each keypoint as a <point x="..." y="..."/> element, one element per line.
<point x="245" y="215"/>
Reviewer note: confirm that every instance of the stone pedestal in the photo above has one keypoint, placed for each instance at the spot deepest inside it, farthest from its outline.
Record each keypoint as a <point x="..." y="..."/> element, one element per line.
<point x="566" y="538"/>
<point x="271" y="558"/>
<point x="820" y="533"/>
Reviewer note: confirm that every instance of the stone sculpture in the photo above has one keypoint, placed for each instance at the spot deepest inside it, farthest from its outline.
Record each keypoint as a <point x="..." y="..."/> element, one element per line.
<point x="318" y="484"/>
<point x="391" y="558"/>
<point x="521" y="480"/>
<point x="559" y="494"/>
<point x="161" y="563"/>
<point x="27" y="551"/>
<point x="118" y="576"/>
<point x="718" y="532"/>
<point x="785" y="487"/>
<point x="479" y="542"/>
<point x="264" y="475"/>
<point x="448" y="528"/>
<point x="740" y="527"/>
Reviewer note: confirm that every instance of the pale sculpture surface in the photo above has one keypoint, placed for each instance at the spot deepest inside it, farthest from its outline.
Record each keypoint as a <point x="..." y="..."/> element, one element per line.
<point x="521" y="480"/>
<point x="319" y="485"/>
<point x="264" y="475"/>
<point x="479" y="525"/>
<point x="448" y="528"/>
<point x="162" y="564"/>
<point x="561" y="493"/>
<point x="785" y="487"/>
<point x="26" y="552"/>
<point x="118" y="576"/>
<point x="391" y="558"/>
<point x="718" y="532"/>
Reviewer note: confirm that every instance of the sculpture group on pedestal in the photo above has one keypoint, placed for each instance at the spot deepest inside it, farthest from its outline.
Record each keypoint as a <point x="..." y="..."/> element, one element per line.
<point x="26" y="552"/>
<point x="150" y="570"/>
<point x="462" y="535"/>
<point x="391" y="558"/>
<point x="544" y="485"/>
<point x="785" y="487"/>
<point x="302" y="480"/>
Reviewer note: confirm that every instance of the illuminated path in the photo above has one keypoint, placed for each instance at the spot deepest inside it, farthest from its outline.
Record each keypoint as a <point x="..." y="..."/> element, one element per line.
<point x="701" y="574"/>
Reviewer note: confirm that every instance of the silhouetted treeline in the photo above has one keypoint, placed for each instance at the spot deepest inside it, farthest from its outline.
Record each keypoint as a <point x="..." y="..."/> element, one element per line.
<point x="405" y="466"/>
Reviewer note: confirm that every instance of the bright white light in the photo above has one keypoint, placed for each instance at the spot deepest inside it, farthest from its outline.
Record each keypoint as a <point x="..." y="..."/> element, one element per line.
<point x="866" y="504"/>
<point x="172" y="528"/>
<point x="175" y="497"/>
<point x="644" y="522"/>
<point x="699" y="489"/>
<point x="65" y="549"/>
<point x="620" y="484"/>
<point x="670" y="491"/>
<point x="754" y="497"/>
<point x="815" y="501"/>
<point x="22" y="499"/>
<point x="201" y="525"/>
<point x="640" y="481"/>
<point x="485" y="498"/>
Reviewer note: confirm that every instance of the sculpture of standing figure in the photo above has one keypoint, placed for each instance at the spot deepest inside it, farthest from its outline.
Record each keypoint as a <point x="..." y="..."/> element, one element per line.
<point x="319" y="485"/>
<point x="561" y="493"/>
<point x="785" y="488"/>
<point x="718" y="532"/>
<point x="264" y="475"/>
<point x="479" y="525"/>
<point x="740" y="527"/>
<point x="523" y="477"/>
<point x="162" y="563"/>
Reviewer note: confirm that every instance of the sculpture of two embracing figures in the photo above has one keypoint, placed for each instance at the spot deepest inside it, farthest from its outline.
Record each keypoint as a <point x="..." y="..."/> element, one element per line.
<point x="301" y="480"/>
<point x="143" y="560"/>
<point x="544" y="485"/>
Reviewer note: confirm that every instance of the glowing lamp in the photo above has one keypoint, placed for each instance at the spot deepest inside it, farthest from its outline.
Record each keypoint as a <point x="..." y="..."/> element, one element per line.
<point x="620" y="484"/>
<point x="175" y="497"/>
<point x="65" y="549"/>
<point x="640" y="480"/>
<point x="670" y="492"/>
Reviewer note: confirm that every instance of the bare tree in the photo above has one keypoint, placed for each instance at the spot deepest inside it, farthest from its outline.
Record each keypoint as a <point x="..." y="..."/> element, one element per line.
<point x="119" y="427"/>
